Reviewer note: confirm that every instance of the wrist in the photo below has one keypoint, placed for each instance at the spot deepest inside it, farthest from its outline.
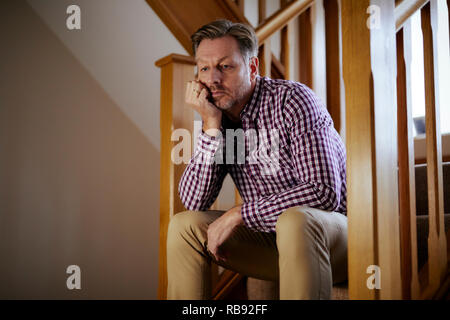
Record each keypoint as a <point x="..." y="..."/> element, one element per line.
<point x="212" y="127"/>
<point x="237" y="217"/>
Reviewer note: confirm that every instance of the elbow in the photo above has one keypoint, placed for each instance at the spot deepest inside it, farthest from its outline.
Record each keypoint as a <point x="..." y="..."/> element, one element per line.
<point x="190" y="201"/>
<point x="330" y="198"/>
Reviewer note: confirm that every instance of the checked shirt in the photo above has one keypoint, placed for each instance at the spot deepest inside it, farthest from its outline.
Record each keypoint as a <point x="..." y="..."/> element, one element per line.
<point x="302" y="163"/>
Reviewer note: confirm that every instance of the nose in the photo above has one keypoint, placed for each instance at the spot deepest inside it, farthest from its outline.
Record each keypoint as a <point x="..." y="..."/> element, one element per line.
<point x="214" y="77"/>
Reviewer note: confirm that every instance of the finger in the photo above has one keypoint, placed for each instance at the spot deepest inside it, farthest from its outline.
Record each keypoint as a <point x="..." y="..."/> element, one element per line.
<point x="188" y="94"/>
<point x="192" y="92"/>
<point x="214" y="254"/>
<point x="203" y="95"/>
<point x="196" y="90"/>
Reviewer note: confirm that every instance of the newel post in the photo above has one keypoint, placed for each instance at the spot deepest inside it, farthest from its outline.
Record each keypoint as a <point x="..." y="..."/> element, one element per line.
<point x="176" y="70"/>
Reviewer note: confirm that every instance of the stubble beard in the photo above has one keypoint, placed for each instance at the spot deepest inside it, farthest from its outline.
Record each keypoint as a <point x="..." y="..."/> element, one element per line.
<point x="233" y="100"/>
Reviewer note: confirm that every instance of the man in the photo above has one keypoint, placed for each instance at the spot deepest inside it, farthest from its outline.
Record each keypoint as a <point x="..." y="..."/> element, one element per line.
<point x="291" y="226"/>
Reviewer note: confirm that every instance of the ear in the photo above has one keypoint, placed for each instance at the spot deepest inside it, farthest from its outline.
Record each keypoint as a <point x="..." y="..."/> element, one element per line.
<point x="254" y="67"/>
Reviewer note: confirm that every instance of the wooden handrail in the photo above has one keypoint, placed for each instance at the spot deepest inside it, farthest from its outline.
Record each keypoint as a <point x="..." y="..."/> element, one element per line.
<point x="281" y="18"/>
<point x="405" y="9"/>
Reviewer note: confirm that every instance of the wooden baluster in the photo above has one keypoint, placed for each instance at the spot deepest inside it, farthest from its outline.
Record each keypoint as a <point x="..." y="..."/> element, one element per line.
<point x="305" y="48"/>
<point x="319" y="72"/>
<point x="371" y="127"/>
<point x="265" y="52"/>
<point x="333" y="63"/>
<point x="262" y="11"/>
<point x="265" y="59"/>
<point x="176" y="70"/>
<point x="437" y="246"/>
<point x="285" y="54"/>
<point x="240" y="4"/>
<point x="407" y="196"/>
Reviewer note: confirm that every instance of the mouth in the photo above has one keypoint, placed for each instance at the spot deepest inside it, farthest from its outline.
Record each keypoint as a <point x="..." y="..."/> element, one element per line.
<point x="217" y="94"/>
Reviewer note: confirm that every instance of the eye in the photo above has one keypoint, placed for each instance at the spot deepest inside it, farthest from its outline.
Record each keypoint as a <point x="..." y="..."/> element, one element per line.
<point x="226" y="66"/>
<point x="203" y="69"/>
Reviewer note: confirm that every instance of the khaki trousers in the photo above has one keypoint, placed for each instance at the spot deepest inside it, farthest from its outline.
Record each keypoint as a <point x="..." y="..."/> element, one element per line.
<point x="306" y="254"/>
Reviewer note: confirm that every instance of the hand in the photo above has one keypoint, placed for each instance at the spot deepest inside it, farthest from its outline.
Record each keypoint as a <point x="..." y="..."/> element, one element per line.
<point x="221" y="229"/>
<point x="197" y="96"/>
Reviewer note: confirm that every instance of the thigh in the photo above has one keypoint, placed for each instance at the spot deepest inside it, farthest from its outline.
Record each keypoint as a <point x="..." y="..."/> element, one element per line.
<point x="248" y="252"/>
<point x="252" y="253"/>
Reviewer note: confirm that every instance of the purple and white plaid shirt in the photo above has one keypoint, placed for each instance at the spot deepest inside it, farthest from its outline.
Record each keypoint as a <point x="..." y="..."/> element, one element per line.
<point x="311" y="158"/>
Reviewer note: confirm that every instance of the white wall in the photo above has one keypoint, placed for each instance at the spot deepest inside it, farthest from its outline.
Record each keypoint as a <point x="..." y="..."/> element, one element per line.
<point x="118" y="43"/>
<point x="79" y="149"/>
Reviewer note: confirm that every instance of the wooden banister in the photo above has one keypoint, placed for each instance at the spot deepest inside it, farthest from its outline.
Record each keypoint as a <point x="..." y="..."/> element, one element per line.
<point x="281" y="18"/>
<point x="405" y="9"/>
<point x="437" y="242"/>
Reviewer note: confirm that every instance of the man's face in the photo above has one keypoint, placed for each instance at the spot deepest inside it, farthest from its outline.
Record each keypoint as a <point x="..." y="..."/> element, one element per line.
<point x="223" y="70"/>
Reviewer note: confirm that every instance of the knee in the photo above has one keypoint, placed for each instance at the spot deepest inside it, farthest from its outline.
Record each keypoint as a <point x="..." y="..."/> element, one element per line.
<point x="183" y="221"/>
<point x="184" y="225"/>
<point x="292" y="218"/>
<point x="298" y="220"/>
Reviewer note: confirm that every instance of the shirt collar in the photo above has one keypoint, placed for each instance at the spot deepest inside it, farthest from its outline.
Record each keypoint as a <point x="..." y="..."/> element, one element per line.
<point x="251" y="108"/>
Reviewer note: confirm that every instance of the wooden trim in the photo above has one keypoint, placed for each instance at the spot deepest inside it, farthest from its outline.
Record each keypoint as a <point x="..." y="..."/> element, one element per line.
<point x="437" y="251"/>
<point x="407" y="196"/>
<point x="405" y="9"/>
<point x="281" y="18"/>
<point x="183" y="18"/>
<point x="227" y="281"/>
<point x="175" y="58"/>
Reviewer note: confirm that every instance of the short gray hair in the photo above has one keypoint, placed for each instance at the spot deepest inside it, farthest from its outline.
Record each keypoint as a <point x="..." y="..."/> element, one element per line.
<point x="243" y="33"/>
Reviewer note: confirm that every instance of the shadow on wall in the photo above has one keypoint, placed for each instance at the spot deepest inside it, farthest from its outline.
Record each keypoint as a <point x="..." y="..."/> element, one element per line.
<point x="78" y="180"/>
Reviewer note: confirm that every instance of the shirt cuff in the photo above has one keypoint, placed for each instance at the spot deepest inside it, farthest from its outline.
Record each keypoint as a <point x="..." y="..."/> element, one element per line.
<point x="252" y="220"/>
<point x="208" y="146"/>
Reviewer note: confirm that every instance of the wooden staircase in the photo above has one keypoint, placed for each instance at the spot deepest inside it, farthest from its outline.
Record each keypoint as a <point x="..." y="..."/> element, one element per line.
<point x="379" y="139"/>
